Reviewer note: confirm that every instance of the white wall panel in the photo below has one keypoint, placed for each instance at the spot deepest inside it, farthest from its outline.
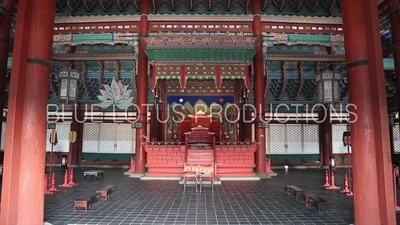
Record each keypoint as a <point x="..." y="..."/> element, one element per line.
<point x="337" y="138"/>
<point x="91" y="137"/>
<point x="62" y="145"/>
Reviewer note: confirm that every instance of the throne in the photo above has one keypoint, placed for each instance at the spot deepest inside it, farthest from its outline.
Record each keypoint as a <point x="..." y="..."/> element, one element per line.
<point x="199" y="136"/>
<point x="200" y="119"/>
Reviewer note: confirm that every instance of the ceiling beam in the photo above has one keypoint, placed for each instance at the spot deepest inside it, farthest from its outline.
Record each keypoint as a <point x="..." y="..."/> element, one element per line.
<point x="307" y="58"/>
<point x="93" y="57"/>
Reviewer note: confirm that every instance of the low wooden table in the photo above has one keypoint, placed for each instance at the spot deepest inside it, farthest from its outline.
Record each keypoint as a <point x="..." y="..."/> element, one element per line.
<point x="93" y="173"/>
<point x="105" y="192"/>
<point x="311" y="199"/>
<point x="84" y="203"/>
<point x="290" y="189"/>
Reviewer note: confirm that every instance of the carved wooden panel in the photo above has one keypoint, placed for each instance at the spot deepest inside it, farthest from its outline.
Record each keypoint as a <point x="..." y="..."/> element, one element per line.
<point x="396" y="138"/>
<point x="3" y="136"/>
<point x="91" y="137"/>
<point x="276" y="139"/>
<point x="62" y="137"/>
<point x="337" y="138"/>
<point x="124" y="136"/>
<point x="310" y="139"/>
<point x="107" y="138"/>
<point x="294" y="136"/>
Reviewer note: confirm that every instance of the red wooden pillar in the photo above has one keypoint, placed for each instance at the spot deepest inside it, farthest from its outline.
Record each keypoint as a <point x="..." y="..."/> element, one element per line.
<point x="259" y="100"/>
<point x="321" y="133"/>
<point x="5" y="28"/>
<point x="248" y="125"/>
<point x="24" y="163"/>
<point x="381" y="119"/>
<point x="325" y="137"/>
<point x="142" y="92"/>
<point x="241" y="124"/>
<point x="154" y="130"/>
<point x="395" y="29"/>
<point x="160" y="125"/>
<point x="373" y="190"/>
<point x="77" y="126"/>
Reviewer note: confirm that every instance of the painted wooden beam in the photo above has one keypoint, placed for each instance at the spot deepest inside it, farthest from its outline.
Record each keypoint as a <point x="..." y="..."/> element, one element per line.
<point x="388" y="63"/>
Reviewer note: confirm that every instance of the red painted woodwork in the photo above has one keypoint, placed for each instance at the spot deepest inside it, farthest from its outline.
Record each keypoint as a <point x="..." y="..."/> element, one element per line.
<point x="214" y="126"/>
<point x="232" y="160"/>
<point x="259" y="88"/>
<point x="142" y="92"/>
<point x="380" y="115"/>
<point x="24" y="161"/>
<point x="165" y="159"/>
<point x="325" y="138"/>
<point x="211" y="27"/>
<point x="235" y="159"/>
<point x="109" y="27"/>
<point x="199" y="134"/>
<point x="162" y="71"/>
<point x="200" y="157"/>
<point x="288" y="28"/>
<point x="373" y="201"/>
<point x="248" y="125"/>
<point x="201" y="26"/>
<point x="76" y="147"/>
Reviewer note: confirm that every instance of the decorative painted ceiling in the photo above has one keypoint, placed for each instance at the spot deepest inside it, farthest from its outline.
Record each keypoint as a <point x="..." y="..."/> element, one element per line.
<point x="226" y="7"/>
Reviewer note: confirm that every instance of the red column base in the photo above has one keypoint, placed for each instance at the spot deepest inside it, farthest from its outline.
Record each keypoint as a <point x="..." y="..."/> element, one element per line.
<point x="71" y="178"/>
<point x="346" y="189"/>
<point x="133" y="168"/>
<point x="327" y="179"/>
<point x="66" y="180"/>
<point x="332" y="185"/>
<point x="268" y="168"/>
<point x="53" y="183"/>
<point x="46" y="185"/>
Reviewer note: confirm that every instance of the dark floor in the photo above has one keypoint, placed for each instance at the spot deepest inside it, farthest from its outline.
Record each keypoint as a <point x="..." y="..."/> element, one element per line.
<point x="162" y="202"/>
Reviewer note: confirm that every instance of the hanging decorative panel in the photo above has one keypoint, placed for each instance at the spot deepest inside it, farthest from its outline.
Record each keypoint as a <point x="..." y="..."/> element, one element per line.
<point x="310" y="139"/>
<point x="124" y="138"/>
<point x="294" y="139"/>
<point x="107" y="138"/>
<point x="62" y="145"/>
<point x="3" y="136"/>
<point x="337" y="138"/>
<point x="276" y="139"/>
<point x="396" y="138"/>
<point x="91" y="137"/>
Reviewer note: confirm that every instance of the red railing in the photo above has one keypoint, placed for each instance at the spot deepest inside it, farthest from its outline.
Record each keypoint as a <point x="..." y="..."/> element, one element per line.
<point x="234" y="144"/>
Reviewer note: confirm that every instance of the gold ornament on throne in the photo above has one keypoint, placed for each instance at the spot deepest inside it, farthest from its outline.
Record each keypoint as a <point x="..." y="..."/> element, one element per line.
<point x="200" y="119"/>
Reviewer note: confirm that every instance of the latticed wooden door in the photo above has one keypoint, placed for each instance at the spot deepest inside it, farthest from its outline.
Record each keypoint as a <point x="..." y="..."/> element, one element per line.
<point x="62" y="145"/>
<point x="337" y="138"/>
